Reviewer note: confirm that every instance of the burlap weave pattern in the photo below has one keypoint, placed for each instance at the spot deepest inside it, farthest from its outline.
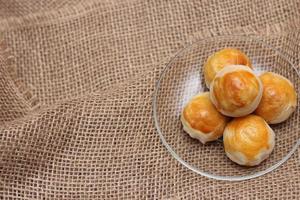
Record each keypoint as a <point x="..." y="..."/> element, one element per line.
<point x="76" y="85"/>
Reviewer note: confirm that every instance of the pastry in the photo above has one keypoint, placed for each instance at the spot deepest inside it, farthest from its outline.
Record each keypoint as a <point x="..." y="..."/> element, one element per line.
<point x="248" y="140"/>
<point x="236" y="91"/>
<point x="201" y="120"/>
<point x="279" y="98"/>
<point x="222" y="58"/>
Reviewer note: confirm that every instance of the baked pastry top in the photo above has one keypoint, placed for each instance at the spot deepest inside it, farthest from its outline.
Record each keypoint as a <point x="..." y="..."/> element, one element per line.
<point x="236" y="91"/>
<point x="201" y="120"/>
<point x="222" y="58"/>
<point x="279" y="98"/>
<point x="248" y="140"/>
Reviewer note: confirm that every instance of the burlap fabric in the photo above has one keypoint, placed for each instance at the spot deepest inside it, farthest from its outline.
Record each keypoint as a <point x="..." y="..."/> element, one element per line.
<point x="76" y="85"/>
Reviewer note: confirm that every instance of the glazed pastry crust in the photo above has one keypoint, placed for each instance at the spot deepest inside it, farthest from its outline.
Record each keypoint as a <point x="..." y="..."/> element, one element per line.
<point x="201" y="120"/>
<point x="279" y="98"/>
<point x="236" y="91"/>
<point x="222" y="58"/>
<point x="248" y="140"/>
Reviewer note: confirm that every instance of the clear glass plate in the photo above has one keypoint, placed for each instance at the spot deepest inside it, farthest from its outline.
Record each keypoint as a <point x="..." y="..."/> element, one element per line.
<point x="183" y="78"/>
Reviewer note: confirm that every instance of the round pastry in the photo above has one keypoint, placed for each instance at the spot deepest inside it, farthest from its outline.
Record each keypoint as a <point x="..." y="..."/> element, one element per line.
<point x="201" y="120"/>
<point x="222" y="58"/>
<point x="279" y="99"/>
<point x="236" y="91"/>
<point x="248" y="140"/>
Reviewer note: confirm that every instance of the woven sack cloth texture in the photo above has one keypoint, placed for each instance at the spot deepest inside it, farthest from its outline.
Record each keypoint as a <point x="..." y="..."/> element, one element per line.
<point x="76" y="85"/>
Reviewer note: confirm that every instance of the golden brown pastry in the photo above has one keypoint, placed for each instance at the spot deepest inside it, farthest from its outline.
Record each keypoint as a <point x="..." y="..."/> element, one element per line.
<point x="236" y="91"/>
<point x="201" y="120"/>
<point x="279" y="99"/>
<point x="222" y="58"/>
<point x="248" y="140"/>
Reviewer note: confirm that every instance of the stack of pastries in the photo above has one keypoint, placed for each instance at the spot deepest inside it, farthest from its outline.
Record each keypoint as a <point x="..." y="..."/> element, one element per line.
<point x="239" y="106"/>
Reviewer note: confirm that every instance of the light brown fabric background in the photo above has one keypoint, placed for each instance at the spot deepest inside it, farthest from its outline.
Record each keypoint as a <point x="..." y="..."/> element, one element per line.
<point x="76" y="84"/>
